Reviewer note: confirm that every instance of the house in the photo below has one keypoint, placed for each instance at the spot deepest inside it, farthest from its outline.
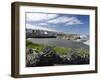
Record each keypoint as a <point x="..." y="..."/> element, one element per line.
<point x="40" y="33"/>
<point x="37" y="33"/>
<point x="68" y="36"/>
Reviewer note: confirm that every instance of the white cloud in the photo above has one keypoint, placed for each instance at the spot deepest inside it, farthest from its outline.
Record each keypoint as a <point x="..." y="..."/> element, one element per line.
<point x="59" y="20"/>
<point x="29" y="26"/>
<point x="43" y="24"/>
<point x="74" y="21"/>
<point x="39" y="16"/>
<point x="66" y="20"/>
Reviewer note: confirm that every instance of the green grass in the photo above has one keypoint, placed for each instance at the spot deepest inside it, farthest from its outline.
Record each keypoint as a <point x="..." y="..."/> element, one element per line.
<point x="38" y="47"/>
<point x="59" y="50"/>
<point x="83" y="52"/>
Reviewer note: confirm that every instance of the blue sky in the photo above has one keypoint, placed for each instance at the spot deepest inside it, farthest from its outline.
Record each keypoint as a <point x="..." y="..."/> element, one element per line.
<point x="67" y="23"/>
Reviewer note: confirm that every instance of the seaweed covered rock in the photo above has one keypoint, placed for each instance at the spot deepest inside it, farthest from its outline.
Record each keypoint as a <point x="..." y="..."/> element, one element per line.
<point x="49" y="57"/>
<point x="75" y="58"/>
<point x="46" y="58"/>
<point x="30" y="57"/>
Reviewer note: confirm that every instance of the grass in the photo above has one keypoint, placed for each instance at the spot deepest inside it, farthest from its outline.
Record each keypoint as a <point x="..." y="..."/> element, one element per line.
<point x="59" y="50"/>
<point x="38" y="47"/>
<point x="83" y="52"/>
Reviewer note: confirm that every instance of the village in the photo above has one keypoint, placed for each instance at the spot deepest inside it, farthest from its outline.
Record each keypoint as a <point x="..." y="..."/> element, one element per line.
<point x="32" y="33"/>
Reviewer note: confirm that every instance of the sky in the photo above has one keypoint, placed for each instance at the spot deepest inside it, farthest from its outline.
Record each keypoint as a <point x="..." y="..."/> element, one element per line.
<point x="66" y="23"/>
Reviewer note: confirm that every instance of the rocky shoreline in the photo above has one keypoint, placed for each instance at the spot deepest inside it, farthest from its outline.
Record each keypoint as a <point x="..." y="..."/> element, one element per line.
<point x="49" y="57"/>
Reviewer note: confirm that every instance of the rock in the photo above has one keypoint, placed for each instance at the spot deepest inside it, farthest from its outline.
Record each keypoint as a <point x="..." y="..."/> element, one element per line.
<point x="30" y="57"/>
<point x="84" y="60"/>
<point x="74" y="58"/>
<point x="48" y="57"/>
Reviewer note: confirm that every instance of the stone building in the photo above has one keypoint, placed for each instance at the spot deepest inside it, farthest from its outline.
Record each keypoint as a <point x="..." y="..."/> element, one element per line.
<point x="40" y="34"/>
<point x="36" y="33"/>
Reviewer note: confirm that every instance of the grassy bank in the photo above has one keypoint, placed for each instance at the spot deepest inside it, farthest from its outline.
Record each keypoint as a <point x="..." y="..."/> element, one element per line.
<point x="59" y="50"/>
